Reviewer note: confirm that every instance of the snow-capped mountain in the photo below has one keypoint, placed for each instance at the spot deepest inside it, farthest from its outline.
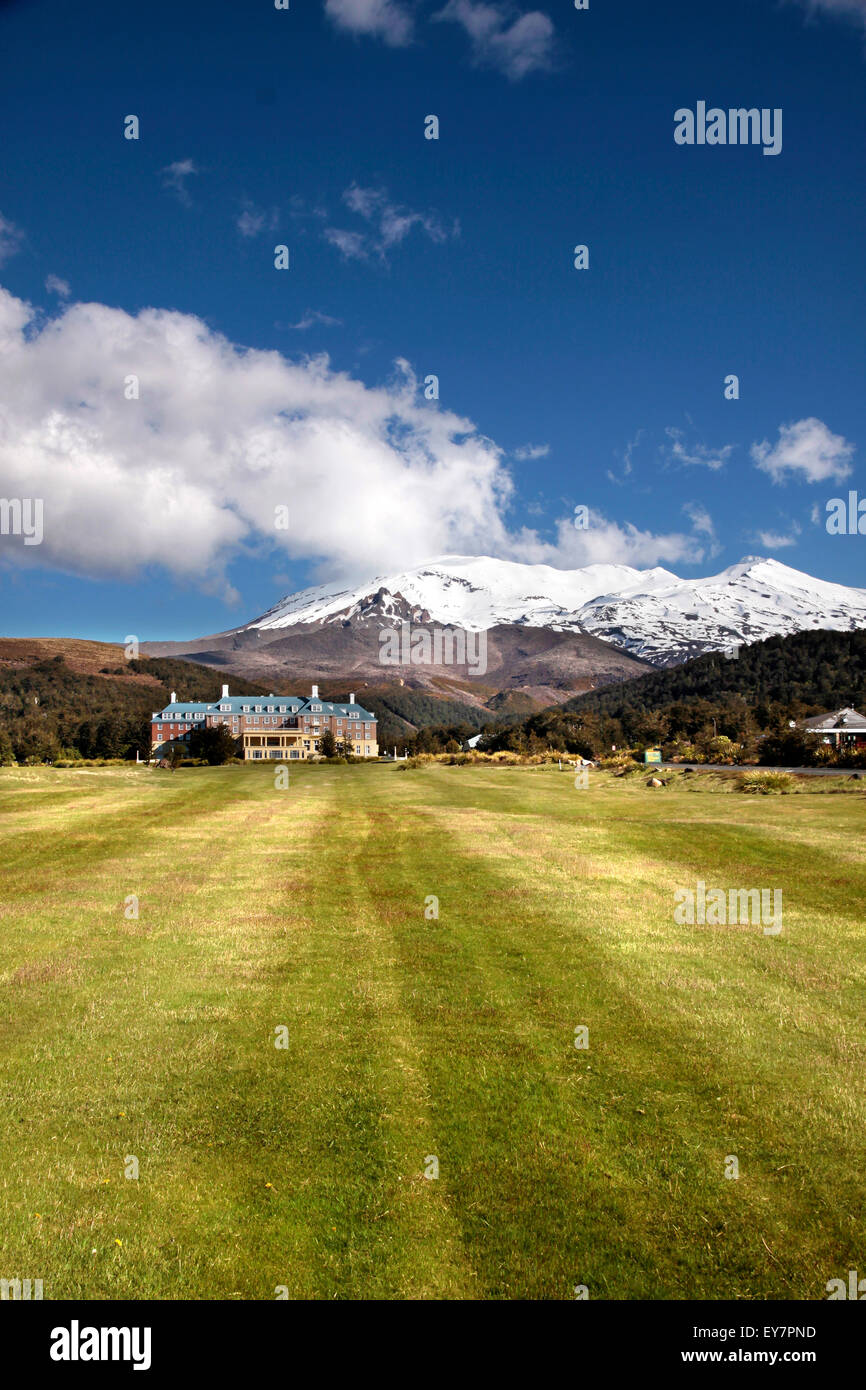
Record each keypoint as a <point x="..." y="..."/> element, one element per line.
<point x="649" y="613"/>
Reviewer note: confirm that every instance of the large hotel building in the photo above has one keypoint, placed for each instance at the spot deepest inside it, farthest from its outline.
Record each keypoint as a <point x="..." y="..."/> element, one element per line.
<point x="267" y="726"/>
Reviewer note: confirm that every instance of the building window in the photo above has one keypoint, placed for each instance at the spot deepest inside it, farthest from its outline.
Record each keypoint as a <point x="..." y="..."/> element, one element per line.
<point x="294" y="753"/>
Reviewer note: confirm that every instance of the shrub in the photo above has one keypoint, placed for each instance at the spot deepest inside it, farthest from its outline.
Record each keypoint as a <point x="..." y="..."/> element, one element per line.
<point x="623" y="758"/>
<point x="766" y="782"/>
<point x="620" y="764"/>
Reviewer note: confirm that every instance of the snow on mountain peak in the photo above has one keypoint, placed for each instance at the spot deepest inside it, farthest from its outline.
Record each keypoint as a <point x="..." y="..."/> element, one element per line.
<point x="650" y="613"/>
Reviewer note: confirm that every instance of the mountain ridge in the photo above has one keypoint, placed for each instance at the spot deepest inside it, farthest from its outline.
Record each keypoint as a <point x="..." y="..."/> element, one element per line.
<point x="651" y="614"/>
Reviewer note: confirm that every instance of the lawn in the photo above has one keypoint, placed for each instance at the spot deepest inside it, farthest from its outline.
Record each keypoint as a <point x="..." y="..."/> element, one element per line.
<point x="298" y="914"/>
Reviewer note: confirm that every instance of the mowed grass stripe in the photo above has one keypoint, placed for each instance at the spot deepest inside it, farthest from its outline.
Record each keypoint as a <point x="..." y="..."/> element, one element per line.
<point x="410" y="1037"/>
<point x="718" y="1045"/>
<point x="220" y="1113"/>
<point x="128" y="1054"/>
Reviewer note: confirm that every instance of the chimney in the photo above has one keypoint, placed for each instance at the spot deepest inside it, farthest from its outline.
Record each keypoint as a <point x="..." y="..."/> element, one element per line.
<point x="315" y="694"/>
<point x="173" y="700"/>
<point x="352" y="698"/>
<point x="225" y="694"/>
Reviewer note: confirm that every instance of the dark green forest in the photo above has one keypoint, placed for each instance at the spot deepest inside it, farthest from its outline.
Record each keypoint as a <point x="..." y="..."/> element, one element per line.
<point x="711" y="708"/>
<point x="399" y="709"/>
<point x="48" y="711"/>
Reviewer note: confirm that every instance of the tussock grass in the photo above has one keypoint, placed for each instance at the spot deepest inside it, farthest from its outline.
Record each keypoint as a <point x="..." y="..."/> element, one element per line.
<point x="766" y="782"/>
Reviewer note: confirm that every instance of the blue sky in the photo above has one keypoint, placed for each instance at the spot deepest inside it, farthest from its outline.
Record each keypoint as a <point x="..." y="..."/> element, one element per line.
<point x="409" y="257"/>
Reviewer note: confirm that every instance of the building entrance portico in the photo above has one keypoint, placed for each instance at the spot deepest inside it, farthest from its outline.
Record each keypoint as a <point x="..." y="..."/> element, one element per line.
<point x="281" y="745"/>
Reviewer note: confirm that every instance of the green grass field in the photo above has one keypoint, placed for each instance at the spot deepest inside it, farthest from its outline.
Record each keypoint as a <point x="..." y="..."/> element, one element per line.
<point x="408" y="1038"/>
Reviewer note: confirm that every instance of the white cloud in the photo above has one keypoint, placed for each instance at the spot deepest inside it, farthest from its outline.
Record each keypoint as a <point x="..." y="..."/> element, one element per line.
<point x="515" y="44"/>
<point x="11" y="238"/>
<point x="253" y="220"/>
<point x="703" y="525"/>
<point x="175" y="177"/>
<point x="55" y="285"/>
<point x="351" y="245"/>
<point x="383" y="19"/>
<point x="300" y="209"/>
<point x="845" y="9"/>
<point x="627" y="465"/>
<point x="375" y="478"/>
<point x="777" y="540"/>
<point x="311" y="317"/>
<point x="697" y="454"/>
<point x="604" y="542"/>
<point x="700" y="518"/>
<point x="806" y="448"/>
<point x="532" y="451"/>
<point x="390" y="224"/>
<point x="220" y="436"/>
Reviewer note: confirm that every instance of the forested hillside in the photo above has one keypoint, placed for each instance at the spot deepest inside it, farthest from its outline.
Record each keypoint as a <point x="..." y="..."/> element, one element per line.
<point x="712" y="707"/>
<point x="820" y="669"/>
<point x="60" y="697"/>
<point x="61" y="704"/>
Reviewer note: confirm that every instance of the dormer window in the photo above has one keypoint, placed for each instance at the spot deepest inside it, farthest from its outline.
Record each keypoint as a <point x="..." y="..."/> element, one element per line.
<point x="316" y="709"/>
<point x="225" y="707"/>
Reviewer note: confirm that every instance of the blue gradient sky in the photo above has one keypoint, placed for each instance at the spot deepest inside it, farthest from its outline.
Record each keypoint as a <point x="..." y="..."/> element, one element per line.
<point x="703" y="261"/>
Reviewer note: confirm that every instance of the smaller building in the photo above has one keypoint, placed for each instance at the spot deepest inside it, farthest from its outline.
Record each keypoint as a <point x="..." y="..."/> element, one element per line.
<point x="843" y="728"/>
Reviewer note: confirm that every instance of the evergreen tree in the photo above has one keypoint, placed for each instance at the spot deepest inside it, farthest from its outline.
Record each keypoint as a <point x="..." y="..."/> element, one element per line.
<point x="216" y="745"/>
